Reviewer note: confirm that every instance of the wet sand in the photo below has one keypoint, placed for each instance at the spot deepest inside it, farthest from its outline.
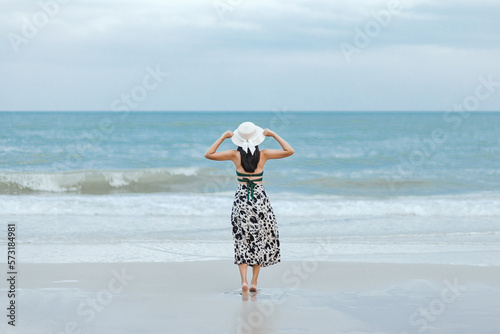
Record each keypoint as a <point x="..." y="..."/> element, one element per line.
<point x="293" y="297"/>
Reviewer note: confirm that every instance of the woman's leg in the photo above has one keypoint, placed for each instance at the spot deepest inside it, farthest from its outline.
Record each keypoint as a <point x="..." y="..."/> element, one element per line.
<point x="255" y="275"/>
<point x="243" y="273"/>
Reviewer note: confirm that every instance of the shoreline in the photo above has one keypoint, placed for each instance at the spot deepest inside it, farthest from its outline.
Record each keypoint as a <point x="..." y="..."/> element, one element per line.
<point x="310" y="272"/>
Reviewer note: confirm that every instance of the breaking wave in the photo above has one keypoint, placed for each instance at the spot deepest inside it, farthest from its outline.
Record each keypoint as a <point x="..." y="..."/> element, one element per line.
<point x="102" y="182"/>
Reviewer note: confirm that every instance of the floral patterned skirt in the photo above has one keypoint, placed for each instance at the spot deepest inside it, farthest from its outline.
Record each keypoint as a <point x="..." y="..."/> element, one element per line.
<point x="255" y="231"/>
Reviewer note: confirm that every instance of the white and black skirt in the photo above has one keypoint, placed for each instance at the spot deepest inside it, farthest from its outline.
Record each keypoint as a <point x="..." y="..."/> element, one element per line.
<point x="255" y="230"/>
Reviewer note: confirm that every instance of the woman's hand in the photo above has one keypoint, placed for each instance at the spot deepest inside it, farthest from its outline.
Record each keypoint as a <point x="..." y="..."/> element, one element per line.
<point x="227" y="134"/>
<point x="269" y="133"/>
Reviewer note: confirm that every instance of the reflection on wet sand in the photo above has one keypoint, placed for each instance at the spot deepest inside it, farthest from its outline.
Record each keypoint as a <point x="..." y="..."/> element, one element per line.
<point x="258" y="312"/>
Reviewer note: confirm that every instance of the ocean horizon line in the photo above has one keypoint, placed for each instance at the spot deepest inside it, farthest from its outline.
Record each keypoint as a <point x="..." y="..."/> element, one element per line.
<point x="253" y="111"/>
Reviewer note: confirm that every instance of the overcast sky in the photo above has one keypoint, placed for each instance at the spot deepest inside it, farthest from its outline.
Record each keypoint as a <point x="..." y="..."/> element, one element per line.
<point x="249" y="54"/>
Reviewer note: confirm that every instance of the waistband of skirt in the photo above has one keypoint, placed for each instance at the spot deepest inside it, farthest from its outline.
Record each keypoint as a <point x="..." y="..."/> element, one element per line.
<point x="244" y="185"/>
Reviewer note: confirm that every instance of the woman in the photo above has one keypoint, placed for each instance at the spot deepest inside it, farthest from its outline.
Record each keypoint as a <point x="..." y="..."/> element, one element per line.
<point x="255" y="231"/>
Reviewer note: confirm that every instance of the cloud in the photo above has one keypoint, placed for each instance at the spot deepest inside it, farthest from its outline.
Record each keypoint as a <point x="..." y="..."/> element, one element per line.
<point x="258" y="55"/>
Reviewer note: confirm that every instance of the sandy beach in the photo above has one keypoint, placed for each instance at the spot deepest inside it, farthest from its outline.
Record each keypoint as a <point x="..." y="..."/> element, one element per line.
<point x="293" y="297"/>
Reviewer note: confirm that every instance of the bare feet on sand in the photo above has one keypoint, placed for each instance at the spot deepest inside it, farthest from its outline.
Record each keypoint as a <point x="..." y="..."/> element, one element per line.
<point x="244" y="287"/>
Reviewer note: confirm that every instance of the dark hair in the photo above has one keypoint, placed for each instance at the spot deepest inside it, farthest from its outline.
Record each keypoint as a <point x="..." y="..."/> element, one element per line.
<point x="249" y="161"/>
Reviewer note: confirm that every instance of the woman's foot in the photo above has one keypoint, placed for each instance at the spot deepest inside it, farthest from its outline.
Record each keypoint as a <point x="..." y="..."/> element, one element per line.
<point x="244" y="287"/>
<point x="253" y="287"/>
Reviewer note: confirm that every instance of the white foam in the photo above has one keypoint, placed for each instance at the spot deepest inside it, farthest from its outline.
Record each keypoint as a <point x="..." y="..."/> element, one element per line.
<point x="285" y="205"/>
<point x="114" y="205"/>
<point x="120" y="179"/>
<point x="187" y="171"/>
<point x="473" y="205"/>
<point x="49" y="182"/>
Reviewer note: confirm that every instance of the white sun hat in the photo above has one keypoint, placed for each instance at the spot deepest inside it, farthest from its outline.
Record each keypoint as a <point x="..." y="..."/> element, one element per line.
<point x="248" y="135"/>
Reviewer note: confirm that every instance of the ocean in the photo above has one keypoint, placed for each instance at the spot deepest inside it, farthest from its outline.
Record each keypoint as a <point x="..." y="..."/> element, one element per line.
<point x="362" y="186"/>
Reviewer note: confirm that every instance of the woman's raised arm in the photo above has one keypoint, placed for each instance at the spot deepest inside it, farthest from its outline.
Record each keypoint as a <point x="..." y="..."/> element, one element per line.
<point x="286" y="151"/>
<point x="212" y="153"/>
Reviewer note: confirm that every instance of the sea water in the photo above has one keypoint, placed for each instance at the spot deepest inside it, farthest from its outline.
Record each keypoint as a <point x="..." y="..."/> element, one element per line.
<point x="394" y="187"/>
